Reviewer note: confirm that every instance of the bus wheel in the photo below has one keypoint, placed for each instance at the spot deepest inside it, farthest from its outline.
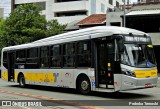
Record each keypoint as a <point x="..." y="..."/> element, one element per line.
<point x="84" y="85"/>
<point x="21" y="81"/>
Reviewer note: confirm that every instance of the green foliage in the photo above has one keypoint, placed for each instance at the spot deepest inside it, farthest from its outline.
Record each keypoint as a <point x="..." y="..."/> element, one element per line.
<point x="54" y="28"/>
<point x="2" y="31"/>
<point x="26" y="24"/>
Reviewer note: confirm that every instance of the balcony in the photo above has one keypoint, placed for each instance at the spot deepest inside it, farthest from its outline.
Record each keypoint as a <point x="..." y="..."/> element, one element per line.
<point x="70" y="6"/>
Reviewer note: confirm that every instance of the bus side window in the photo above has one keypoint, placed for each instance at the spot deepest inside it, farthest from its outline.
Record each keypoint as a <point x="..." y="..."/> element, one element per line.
<point x="44" y="57"/>
<point x="55" y="56"/>
<point x="69" y="55"/>
<point x="20" y="56"/>
<point x="84" y="54"/>
<point x="32" y="58"/>
<point x="5" y="59"/>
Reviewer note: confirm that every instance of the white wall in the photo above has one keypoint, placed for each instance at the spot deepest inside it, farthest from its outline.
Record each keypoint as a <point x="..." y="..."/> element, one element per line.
<point x="155" y="38"/>
<point x="114" y="17"/>
<point x="28" y="1"/>
<point x="70" y="6"/>
<point x="1" y="12"/>
<point x="52" y="7"/>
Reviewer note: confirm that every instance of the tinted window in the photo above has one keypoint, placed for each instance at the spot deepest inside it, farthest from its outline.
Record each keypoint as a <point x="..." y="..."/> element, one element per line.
<point x="69" y="55"/>
<point x="44" y="51"/>
<point x="5" y="59"/>
<point x="4" y="56"/>
<point x="44" y="56"/>
<point x="20" y="54"/>
<point x="33" y="52"/>
<point x="69" y="49"/>
<point x="56" y="56"/>
<point x="32" y="58"/>
<point x="83" y="54"/>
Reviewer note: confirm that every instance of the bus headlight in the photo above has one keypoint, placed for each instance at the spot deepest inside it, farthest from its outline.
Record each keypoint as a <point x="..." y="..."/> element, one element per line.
<point x="129" y="73"/>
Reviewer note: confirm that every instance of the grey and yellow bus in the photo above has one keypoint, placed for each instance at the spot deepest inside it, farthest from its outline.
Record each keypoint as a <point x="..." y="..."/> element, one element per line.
<point x="105" y="59"/>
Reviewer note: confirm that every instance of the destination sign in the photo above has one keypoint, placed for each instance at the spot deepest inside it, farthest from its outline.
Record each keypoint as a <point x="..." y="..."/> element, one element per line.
<point x="137" y="39"/>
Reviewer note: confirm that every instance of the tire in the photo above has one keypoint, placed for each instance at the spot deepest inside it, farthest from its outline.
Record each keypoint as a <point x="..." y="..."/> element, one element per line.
<point x="84" y="85"/>
<point x="22" y="82"/>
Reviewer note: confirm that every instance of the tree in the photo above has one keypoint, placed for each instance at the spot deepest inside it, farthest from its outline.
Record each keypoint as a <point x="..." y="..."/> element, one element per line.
<point x="25" y="24"/>
<point x="2" y="31"/>
<point x="54" y="28"/>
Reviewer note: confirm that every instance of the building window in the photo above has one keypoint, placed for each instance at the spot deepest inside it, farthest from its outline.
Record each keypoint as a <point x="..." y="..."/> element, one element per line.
<point x="66" y="0"/>
<point x="111" y="2"/>
<point x="64" y="14"/>
<point x="56" y="56"/>
<point x="83" y="54"/>
<point x="69" y="55"/>
<point x="102" y="7"/>
<point x="42" y="5"/>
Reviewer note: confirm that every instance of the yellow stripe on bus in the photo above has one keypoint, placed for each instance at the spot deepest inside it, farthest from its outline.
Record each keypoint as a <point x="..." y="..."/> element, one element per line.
<point x="5" y="75"/>
<point x="145" y="73"/>
<point x="39" y="77"/>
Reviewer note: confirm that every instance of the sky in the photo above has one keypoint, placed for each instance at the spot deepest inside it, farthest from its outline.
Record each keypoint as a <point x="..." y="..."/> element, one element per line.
<point x="7" y="8"/>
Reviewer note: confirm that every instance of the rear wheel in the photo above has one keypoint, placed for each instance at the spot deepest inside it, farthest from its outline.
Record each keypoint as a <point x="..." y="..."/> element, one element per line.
<point x="84" y="85"/>
<point x="21" y="81"/>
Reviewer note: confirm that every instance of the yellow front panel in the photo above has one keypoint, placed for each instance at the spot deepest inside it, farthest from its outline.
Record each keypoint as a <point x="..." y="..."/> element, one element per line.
<point x="5" y="75"/>
<point x="145" y="73"/>
<point x="39" y="77"/>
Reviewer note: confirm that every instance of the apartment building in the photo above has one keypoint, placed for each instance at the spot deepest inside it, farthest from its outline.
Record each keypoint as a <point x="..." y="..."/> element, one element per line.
<point x="145" y="1"/>
<point x="67" y="11"/>
<point x="1" y="12"/>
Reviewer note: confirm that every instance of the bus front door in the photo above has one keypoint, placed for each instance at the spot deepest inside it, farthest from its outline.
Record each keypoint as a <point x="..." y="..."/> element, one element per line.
<point x="104" y="64"/>
<point x="11" y="62"/>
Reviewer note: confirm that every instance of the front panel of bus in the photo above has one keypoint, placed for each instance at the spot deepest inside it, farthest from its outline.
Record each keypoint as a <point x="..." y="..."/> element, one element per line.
<point x="138" y="65"/>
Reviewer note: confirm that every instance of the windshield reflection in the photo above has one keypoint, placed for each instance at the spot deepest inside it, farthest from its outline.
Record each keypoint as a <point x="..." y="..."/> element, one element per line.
<point x="138" y="55"/>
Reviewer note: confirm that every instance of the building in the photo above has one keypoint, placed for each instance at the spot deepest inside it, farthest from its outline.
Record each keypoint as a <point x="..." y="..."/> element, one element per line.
<point x="1" y="12"/>
<point x="6" y="5"/>
<point x="92" y="20"/>
<point x="145" y="1"/>
<point x="69" y="11"/>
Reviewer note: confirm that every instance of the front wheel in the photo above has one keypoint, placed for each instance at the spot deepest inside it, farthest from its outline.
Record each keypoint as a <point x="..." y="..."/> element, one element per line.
<point x="84" y="85"/>
<point x="21" y="81"/>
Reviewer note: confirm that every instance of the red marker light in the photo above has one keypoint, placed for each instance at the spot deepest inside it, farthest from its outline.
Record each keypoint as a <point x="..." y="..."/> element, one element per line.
<point x="116" y="83"/>
<point x="109" y="74"/>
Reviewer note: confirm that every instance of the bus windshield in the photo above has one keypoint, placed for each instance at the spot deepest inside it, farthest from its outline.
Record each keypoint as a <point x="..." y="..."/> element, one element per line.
<point x="138" y="55"/>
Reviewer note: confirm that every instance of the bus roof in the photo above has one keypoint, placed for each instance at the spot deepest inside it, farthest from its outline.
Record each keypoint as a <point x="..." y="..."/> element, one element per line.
<point x="88" y="33"/>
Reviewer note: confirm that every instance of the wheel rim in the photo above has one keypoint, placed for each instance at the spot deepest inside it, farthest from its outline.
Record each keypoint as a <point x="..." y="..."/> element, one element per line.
<point x="22" y="81"/>
<point x="84" y="85"/>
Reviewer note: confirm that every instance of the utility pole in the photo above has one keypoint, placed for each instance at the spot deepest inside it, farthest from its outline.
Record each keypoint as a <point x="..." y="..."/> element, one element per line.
<point x="124" y="16"/>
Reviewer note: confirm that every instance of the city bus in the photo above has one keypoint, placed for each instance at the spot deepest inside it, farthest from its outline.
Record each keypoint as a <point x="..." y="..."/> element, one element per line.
<point x="102" y="58"/>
